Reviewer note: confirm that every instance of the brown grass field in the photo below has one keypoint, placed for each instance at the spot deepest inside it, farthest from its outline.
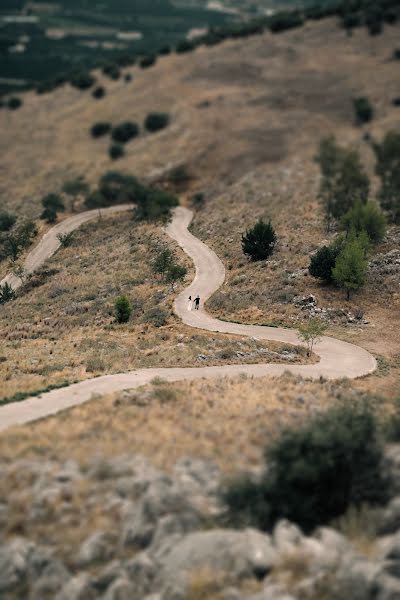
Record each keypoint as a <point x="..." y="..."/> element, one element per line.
<point x="247" y="117"/>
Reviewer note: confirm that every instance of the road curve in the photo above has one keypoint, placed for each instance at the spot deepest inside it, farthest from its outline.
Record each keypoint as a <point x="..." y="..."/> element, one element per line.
<point x="337" y="359"/>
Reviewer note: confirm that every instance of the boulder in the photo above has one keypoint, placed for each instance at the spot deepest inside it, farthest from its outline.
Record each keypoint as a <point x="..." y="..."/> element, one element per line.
<point x="240" y="554"/>
<point x="122" y="589"/>
<point x="286" y="536"/>
<point x="14" y="563"/>
<point x="99" y="547"/>
<point x="78" y="588"/>
<point x="142" y="571"/>
<point x="390" y="520"/>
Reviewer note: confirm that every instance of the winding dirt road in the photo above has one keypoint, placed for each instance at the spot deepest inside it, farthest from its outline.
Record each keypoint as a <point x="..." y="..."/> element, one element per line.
<point x="337" y="359"/>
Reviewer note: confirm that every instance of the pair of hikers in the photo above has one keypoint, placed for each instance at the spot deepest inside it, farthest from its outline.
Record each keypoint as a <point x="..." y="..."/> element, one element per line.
<point x="196" y="303"/>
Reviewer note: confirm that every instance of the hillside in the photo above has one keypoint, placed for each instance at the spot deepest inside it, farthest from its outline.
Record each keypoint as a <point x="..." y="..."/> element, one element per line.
<point x="85" y="509"/>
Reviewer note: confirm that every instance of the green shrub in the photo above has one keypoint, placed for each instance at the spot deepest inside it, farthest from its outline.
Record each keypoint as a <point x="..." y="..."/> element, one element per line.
<point x="99" y="129"/>
<point x="82" y="80"/>
<point x="99" y="92"/>
<point x="185" y="46"/>
<point x="368" y="218"/>
<point x="112" y="71"/>
<point x="18" y="239"/>
<point x="52" y="204"/>
<point x="396" y="54"/>
<point x="96" y="200"/>
<point x="66" y="239"/>
<point x="123" y="309"/>
<point x="124" y="132"/>
<point x="315" y="472"/>
<point x="14" y="103"/>
<point x="259" y="242"/>
<point x="49" y="215"/>
<point x="119" y="188"/>
<point x="388" y="168"/>
<point x="147" y="61"/>
<point x="351" y="265"/>
<point x="198" y="200"/>
<point x="179" y="175"/>
<point x="7" y="221"/>
<point x="127" y="78"/>
<point x="156" y="121"/>
<point x="155" y="205"/>
<point x="126" y="60"/>
<point x="363" y="110"/>
<point x="322" y="263"/>
<point x="6" y="293"/>
<point x="285" y="20"/>
<point x="396" y="101"/>
<point x="164" y="51"/>
<point x="116" y="151"/>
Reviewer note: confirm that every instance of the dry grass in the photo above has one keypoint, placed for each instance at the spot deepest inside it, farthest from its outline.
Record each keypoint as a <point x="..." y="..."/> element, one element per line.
<point x="228" y="421"/>
<point x="206" y="584"/>
<point x="64" y="330"/>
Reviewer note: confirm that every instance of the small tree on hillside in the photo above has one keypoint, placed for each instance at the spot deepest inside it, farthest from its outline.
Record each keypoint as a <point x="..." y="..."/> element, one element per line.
<point x="344" y="180"/>
<point x="368" y="218"/>
<point x="259" y="242"/>
<point x="311" y="332"/>
<point x="123" y="309"/>
<point x="174" y="274"/>
<point x="363" y="109"/>
<point x="163" y="261"/>
<point x="6" y="293"/>
<point x="19" y="238"/>
<point x="7" y="221"/>
<point x="322" y="263"/>
<point x="351" y="266"/>
<point x="52" y="204"/>
<point x="388" y="168"/>
<point x="75" y="188"/>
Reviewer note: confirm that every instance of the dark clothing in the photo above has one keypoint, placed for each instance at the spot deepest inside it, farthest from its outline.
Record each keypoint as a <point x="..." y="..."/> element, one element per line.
<point x="197" y="303"/>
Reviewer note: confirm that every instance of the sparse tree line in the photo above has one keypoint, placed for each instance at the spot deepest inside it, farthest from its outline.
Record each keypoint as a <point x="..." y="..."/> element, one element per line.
<point x="126" y="131"/>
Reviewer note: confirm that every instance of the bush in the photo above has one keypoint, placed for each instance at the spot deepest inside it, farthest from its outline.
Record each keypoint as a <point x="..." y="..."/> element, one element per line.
<point x="122" y="309"/>
<point x="198" y="200"/>
<point x="118" y="188"/>
<point x="96" y="200"/>
<point x="126" y="60"/>
<point x="7" y="221"/>
<point x="14" y="103"/>
<point x="156" y="121"/>
<point x="18" y="239"/>
<point x="322" y="263"/>
<point x="112" y="71"/>
<point x="259" y="242"/>
<point x="52" y="204"/>
<point x="164" y="51"/>
<point x="99" y="92"/>
<point x="396" y="101"/>
<point x="285" y="20"/>
<point x="388" y="168"/>
<point x="50" y="85"/>
<point x="396" y="54"/>
<point x="6" y="293"/>
<point x="82" y="80"/>
<point x="155" y="205"/>
<point x="363" y="110"/>
<point x="368" y="218"/>
<point x="127" y="78"/>
<point x="315" y="472"/>
<point x="116" y="151"/>
<point x="147" y="61"/>
<point x="179" y="175"/>
<point x="124" y="132"/>
<point x="99" y="129"/>
<point x="66" y="239"/>
<point x="49" y="215"/>
<point x="185" y="46"/>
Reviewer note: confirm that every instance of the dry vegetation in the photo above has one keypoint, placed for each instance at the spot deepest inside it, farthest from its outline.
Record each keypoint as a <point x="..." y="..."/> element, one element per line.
<point x="64" y="329"/>
<point x="228" y="421"/>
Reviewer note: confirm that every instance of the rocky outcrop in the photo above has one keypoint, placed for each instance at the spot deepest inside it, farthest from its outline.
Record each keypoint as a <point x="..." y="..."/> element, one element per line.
<point x="167" y="542"/>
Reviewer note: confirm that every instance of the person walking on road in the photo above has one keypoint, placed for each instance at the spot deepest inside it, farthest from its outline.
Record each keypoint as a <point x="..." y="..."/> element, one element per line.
<point x="190" y="303"/>
<point x="197" y="302"/>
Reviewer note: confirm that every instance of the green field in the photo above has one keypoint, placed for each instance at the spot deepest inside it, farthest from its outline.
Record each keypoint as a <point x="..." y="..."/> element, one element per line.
<point x="40" y="40"/>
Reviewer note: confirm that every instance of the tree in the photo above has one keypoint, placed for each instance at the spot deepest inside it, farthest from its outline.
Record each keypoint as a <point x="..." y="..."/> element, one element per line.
<point x="259" y="242"/>
<point x="388" y="168"/>
<point x="350" y="270"/>
<point x="14" y="103"/>
<point x="368" y="218"/>
<point x="75" y="188"/>
<point x="156" y="121"/>
<point x="155" y="205"/>
<point x="99" y="92"/>
<point x="82" y="80"/>
<point x="116" y="151"/>
<point x="163" y="261"/>
<point x="7" y="221"/>
<point x="363" y="109"/>
<point x="147" y="61"/>
<point x="6" y="293"/>
<point x="315" y="472"/>
<point x="100" y="129"/>
<point x="123" y="309"/>
<point x="322" y="263"/>
<point x="19" y="238"/>
<point x="52" y="204"/>
<point x="311" y="332"/>
<point x="174" y="274"/>
<point x="344" y="180"/>
<point x="124" y="132"/>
